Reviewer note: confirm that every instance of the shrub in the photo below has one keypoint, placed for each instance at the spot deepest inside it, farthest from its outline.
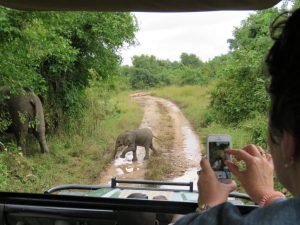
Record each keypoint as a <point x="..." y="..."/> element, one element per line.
<point x="258" y="129"/>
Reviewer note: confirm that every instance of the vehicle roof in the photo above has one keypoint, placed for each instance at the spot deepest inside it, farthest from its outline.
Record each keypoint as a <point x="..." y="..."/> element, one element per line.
<point x="140" y="5"/>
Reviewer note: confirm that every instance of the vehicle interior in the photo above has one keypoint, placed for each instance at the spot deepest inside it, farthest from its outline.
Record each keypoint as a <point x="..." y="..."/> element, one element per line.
<point x="63" y="205"/>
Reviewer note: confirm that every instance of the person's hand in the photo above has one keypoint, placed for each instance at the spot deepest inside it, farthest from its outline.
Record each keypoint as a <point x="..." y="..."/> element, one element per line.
<point x="211" y="191"/>
<point x="257" y="178"/>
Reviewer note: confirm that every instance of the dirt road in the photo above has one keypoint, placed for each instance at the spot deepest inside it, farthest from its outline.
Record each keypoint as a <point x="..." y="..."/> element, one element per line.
<point x="178" y="143"/>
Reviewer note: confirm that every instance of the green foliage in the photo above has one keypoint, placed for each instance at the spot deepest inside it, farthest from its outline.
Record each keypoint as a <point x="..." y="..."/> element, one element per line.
<point x="5" y="121"/>
<point x="208" y="118"/>
<point x="22" y="117"/>
<point x="190" y="76"/>
<point x="241" y="92"/>
<point x="257" y="128"/>
<point x="3" y="177"/>
<point x="54" y="54"/>
<point x="14" y="168"/>
<point x="190" y="60"/>
<point x="296" y="4"/>
<point x="148" y="71"/>
<point x="142" y="78"/>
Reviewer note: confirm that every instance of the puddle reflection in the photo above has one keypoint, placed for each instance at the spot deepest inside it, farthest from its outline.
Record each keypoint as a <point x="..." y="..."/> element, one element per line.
<point x="172" y="106"/>
<point x="125" y="165"/>
<point x="191" y="144"/>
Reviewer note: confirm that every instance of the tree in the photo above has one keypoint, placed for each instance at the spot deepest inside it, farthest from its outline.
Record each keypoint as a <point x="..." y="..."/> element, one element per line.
<point x="241" y="93"/>
<point x="190" y="60"/>
<point x="53" y="53"/>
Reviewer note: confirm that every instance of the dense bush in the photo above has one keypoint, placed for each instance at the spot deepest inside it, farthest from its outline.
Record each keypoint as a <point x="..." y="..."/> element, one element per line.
<point x="258" y="129"/>
<point x="240" y="93"/>
<point x="148" y="71"/>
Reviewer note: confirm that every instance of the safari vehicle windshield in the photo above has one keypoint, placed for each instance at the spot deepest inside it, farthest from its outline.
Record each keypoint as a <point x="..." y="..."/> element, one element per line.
<point x="104" y="100"/>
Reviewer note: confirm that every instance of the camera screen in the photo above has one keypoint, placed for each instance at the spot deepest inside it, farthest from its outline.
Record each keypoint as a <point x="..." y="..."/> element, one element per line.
<point x="217" y="156"/>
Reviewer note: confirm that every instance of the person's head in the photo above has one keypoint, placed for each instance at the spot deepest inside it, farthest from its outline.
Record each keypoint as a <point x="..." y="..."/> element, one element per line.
<point x="283" y="63"/>
<point x="136" y="218"/>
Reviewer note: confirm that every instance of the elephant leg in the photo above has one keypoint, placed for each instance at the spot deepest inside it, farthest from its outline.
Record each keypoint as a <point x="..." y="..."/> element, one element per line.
<point x="153" y="149"/>
<point x="147" y="152"/>
<point x="134" y="154"/>
<point x="40" y="136"/>
<point x="128" y="149"/>
<point x="123" y="153"/>
<point x="21" y="135"/>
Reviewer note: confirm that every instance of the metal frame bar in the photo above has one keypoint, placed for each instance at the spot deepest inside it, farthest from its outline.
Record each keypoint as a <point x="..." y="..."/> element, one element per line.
<point x="115" y="181"/>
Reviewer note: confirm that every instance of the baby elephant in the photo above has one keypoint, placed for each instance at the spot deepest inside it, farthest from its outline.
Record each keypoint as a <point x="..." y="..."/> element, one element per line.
<point x="132" y="139"/>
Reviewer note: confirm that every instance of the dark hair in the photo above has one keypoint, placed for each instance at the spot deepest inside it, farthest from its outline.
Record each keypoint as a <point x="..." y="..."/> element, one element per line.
<point x="283" y="63"/>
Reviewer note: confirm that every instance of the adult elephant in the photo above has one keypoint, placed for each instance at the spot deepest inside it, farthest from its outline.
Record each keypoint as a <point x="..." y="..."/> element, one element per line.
<point x="27" y="114"/>
<point x="139" y="137"/>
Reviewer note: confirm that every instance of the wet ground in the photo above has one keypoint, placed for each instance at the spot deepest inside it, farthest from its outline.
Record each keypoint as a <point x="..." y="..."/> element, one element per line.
<point x="178" y="142"/>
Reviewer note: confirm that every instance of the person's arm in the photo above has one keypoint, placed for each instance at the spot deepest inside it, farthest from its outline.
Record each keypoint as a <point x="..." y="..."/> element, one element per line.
<point x="272" y="197"/>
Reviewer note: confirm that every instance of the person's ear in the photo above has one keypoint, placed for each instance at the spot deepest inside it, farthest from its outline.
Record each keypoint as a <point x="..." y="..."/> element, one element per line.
<point x="288" y="147"/>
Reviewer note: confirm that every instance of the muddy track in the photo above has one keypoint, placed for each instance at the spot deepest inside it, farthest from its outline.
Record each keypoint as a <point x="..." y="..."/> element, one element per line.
<point x="178" y="143"/>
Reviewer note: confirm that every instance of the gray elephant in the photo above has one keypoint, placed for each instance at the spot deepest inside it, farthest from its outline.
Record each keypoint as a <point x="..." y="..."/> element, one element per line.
<point x="139" y="137"/>
<point x="26" y="112"/>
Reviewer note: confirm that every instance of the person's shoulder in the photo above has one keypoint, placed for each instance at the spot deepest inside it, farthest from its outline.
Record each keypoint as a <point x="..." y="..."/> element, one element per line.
<point x="282" y="212"/>
<point x="225" y="213"/>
